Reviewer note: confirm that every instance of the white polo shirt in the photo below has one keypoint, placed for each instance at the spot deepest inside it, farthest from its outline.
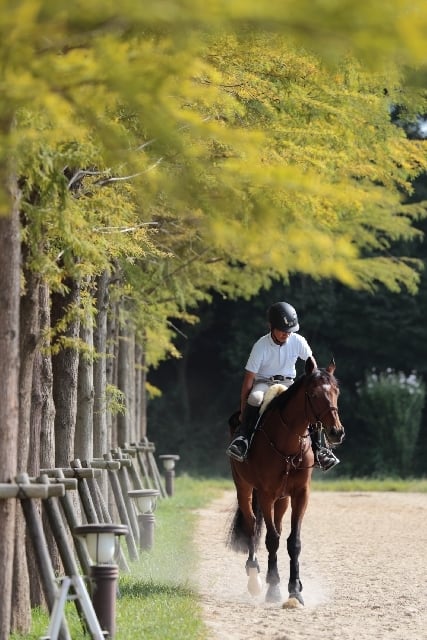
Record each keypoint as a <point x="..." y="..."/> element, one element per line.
<point x="268" y="358"/>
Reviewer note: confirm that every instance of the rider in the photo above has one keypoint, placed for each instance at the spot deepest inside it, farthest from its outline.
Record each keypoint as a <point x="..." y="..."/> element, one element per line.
<point x="272" y="359"/>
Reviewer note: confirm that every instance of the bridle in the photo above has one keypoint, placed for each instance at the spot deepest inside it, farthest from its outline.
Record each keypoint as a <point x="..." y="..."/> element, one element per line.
<point x="317" y="423"/>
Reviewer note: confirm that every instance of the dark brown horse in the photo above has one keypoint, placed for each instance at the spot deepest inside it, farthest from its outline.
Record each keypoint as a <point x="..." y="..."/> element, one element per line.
<point x="278" y="471"/>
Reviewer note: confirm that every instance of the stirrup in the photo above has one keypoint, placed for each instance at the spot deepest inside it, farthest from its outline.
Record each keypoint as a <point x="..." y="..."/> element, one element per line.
<point x="325" y="459"/>
<point x="238" y="449"/>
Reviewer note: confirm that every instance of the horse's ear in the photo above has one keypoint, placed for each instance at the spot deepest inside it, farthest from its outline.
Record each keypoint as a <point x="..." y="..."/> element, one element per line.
<point x="310" y="365"/>
<point x="331" y="367"/>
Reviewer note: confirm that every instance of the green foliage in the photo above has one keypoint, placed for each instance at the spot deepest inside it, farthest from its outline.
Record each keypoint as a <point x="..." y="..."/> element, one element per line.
<point x="197" y="147"/>
<point x="330" y="165"/>
<point x="391" y="404"/>
<point x="116" y="400"/>
<point x="194" y="148"/>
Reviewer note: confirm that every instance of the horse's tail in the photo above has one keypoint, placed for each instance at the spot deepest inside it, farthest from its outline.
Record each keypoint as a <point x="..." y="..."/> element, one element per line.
<point x="238" y="537"/>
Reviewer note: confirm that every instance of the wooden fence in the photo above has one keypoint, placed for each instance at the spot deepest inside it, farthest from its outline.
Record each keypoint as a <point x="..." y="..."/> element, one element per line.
<point x="89" y="492"/>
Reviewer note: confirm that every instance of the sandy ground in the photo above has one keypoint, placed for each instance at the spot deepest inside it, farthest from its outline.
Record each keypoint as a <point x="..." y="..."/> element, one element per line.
<point x="363" y="566"/>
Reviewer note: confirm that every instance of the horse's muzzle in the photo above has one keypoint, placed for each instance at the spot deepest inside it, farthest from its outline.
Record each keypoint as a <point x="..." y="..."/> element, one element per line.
<point x="335" y="435"/>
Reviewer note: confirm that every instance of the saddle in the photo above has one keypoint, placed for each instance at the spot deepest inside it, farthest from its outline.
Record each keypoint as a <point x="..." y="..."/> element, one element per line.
<point x="272" y="392"/>
<point x="275" y="390"/>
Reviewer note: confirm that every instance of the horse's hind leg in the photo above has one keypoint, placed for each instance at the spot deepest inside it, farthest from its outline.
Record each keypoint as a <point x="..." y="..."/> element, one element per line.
<point x="246" y="498"/>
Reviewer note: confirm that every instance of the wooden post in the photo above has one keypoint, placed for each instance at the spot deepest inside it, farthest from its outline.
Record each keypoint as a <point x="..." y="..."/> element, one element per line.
<point x="121" y="508"/>
<point x="154" y="471"/>
<point x="25" y="492"/>
<point x="82" y="475"/>
<point x="70" y="516"/>
<point x="141" y="458"/>
<point x="126" y="463"/>
<point x="97" y="497"/>
<point x="61" y="538"/>
<point x="133" y="472"/>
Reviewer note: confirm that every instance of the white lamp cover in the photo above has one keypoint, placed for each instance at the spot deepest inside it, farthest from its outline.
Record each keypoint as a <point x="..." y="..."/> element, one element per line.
<point x="145" y="503"/>
<point x="169" y="464"/>
<point x="101" y="547"/>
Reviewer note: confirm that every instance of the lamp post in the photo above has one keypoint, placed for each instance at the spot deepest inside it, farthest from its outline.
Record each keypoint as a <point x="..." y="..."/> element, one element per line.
<point x="145" y="501"/>
<point x="169" y="461"/>
<point x="100" y="540"/>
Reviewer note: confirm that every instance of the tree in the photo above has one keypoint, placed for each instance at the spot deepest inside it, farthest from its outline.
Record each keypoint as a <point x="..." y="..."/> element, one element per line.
<point x="9" y="407"/>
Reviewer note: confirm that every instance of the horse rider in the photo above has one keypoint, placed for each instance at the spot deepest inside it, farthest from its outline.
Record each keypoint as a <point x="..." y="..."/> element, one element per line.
<point x="272" y="360"/>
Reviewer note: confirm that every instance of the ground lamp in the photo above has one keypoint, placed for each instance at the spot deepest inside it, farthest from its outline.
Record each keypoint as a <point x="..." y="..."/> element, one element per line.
<point x="100" y="540"/>
<point x="169" y="467"/>
<point x="145" y="501"/>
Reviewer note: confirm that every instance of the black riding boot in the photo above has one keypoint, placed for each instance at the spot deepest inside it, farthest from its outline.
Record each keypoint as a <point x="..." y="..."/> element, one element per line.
<point x="324" y="458"/>
<point x="238" y="449"/>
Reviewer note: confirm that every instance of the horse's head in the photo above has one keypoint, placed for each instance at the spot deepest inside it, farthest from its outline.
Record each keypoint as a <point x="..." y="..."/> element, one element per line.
<point x="321" y="392"/>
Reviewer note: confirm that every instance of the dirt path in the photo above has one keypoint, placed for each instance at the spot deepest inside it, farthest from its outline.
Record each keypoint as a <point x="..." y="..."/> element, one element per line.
<point x="363" y="566"/>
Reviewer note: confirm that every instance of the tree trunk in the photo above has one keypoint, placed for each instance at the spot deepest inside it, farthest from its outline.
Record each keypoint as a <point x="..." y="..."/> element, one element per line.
<point x="141" y="414"/>
<point x="65" y="371"/>
<point x="43" y="374"/>
<point x="126" y="383"/>
<point x="138" y="382"/>
<point x="132" y="433"/>
<point x="9" y="405"/>
<point x="111" y="374"/>
<point x="83" y="442"/>
<point x="28" y="452"/>
<point x="112" y="368"/>
<point x="47" y="428"/>
<point x="100" y="435"/>
<point x="100" y="432"/>
<point x="36" y="591"/>
<point x="28" y="448"/>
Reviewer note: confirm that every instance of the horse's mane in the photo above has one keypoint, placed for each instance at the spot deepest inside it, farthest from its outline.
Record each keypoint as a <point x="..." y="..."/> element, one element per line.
<point x="282" y="399"/>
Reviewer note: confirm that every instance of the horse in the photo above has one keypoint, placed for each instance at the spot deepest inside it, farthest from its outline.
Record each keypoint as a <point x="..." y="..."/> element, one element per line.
<point x="277" y="471"/>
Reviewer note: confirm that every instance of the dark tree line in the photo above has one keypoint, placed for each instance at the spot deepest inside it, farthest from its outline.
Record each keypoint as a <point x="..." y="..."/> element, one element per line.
<point x="364" y="331"/>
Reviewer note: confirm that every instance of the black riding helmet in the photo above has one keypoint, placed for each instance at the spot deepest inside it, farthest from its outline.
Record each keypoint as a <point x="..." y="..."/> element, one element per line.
<point x="282" y="316"/>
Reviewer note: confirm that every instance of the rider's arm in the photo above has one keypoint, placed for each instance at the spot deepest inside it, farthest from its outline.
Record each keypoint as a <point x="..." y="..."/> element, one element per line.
<point x="247" y="385"/>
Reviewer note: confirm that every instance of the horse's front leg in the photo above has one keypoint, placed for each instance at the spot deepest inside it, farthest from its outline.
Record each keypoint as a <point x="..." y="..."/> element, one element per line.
<point x="272" y="540"/>
<point x="294" y="549"/>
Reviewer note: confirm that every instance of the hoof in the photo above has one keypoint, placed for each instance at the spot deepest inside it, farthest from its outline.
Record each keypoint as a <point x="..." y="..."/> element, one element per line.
<point x="294" y="601"/>
<point x="273" y="594"/>
<point x="254" y="582"/>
